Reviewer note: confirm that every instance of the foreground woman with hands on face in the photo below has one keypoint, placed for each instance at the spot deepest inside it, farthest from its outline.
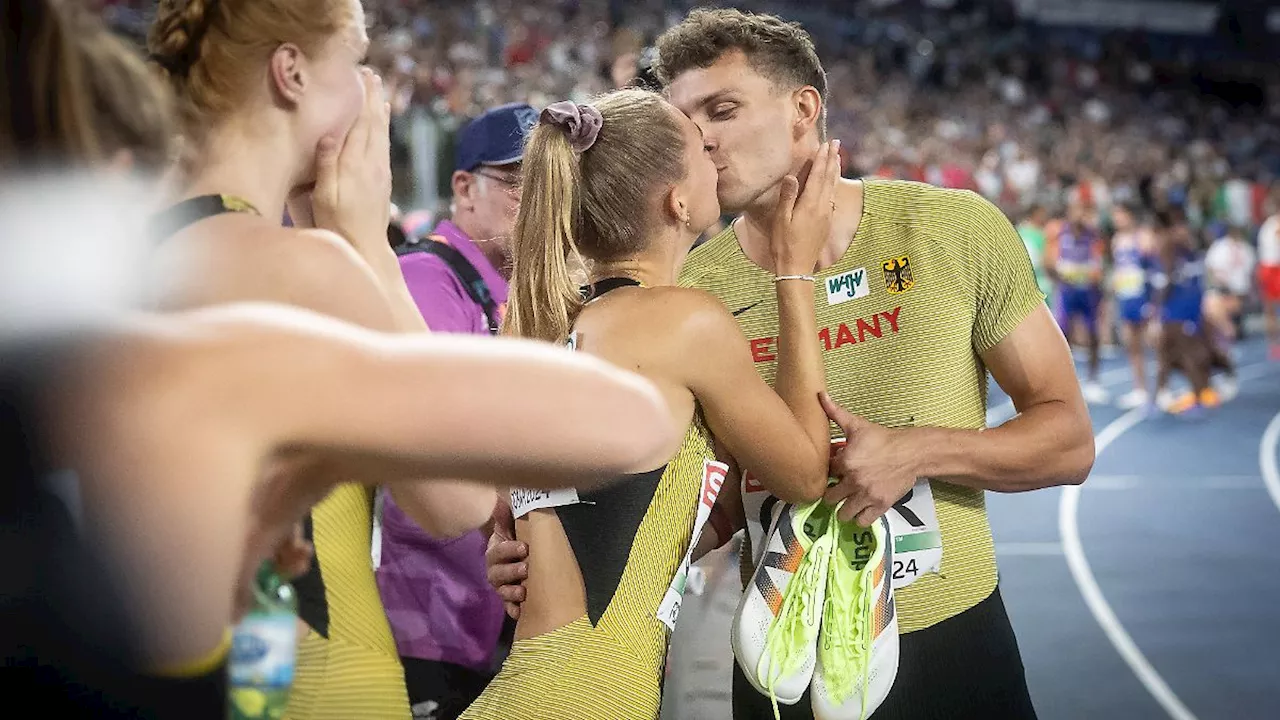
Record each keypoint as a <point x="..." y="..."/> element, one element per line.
<point x="169" y="421"/>
<point x="277" y="109"/>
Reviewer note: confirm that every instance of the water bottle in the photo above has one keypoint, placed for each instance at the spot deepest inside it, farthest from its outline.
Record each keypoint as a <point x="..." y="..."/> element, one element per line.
<point x="264" y="650"/>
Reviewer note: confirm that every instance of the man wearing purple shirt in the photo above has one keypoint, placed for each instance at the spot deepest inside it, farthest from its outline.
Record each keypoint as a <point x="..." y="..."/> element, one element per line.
<point x="444" y="615"/>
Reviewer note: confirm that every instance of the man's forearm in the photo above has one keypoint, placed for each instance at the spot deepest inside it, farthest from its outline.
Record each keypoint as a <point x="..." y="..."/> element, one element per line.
<point x="1046" y="445"/>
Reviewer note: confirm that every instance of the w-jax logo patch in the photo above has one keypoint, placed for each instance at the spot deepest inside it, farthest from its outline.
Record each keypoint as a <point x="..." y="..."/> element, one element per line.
<point x="847" y="286"/>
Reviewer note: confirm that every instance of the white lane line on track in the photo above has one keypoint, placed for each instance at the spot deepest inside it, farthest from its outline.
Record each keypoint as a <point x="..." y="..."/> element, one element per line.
<point x="1267" y="449"/>
<point x="1069" y="529"/>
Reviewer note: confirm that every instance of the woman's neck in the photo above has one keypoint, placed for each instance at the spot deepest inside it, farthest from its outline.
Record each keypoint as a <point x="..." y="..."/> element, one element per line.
<point x="251" y="167"/>
<point x="658" y="265"/>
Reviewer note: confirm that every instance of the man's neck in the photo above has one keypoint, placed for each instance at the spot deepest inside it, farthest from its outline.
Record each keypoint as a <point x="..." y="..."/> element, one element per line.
<point x="754" y="226"/>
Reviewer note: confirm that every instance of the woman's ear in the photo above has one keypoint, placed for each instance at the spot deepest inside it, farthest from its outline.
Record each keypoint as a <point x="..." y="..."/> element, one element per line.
<point x="674" y="206"/>
<point x="288" y="73"/>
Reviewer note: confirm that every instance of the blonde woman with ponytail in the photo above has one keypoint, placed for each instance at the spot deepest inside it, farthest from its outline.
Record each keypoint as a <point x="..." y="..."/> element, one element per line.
<point x="624" y="186"/>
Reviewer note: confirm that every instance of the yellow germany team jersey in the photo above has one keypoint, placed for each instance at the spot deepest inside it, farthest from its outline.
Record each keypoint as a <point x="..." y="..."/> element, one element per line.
<point x="932" y="279"/>
<point x="348" y="667"/>
<point x="632" y="541"/>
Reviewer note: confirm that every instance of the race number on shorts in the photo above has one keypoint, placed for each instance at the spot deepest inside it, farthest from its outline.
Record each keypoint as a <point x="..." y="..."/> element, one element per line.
<point x="913" y="522"/>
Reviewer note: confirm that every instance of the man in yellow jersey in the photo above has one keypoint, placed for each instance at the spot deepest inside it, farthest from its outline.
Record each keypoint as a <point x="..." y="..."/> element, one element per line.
<point x="920" y="292"/>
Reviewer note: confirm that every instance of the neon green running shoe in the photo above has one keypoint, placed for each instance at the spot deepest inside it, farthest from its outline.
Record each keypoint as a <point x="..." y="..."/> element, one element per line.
<point x="858" y="643"/>
<point x="775" y="630"/>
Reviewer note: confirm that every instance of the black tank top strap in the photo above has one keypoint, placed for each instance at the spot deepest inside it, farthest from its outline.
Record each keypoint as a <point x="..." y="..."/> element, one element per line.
<point x="591" y="292"/>
<point x="168" y="223"/>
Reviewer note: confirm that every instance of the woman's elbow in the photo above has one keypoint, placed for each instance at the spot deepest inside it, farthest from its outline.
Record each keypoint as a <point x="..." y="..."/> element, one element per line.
<point x="451" y="515"/>
<point x="811" y="488"/>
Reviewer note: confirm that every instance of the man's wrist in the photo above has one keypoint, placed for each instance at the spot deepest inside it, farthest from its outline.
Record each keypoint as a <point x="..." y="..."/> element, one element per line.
<point x="935" y="452"/>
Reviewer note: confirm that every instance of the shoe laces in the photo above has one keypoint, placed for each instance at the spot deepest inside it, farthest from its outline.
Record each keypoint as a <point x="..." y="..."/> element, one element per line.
<point x="846" y="636"/>
<point x="797" y="622"/>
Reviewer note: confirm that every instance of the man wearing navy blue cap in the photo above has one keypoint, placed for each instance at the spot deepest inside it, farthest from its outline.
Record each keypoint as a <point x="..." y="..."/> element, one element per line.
<point x="485" y="199"/>
<point x="445" y="617"/>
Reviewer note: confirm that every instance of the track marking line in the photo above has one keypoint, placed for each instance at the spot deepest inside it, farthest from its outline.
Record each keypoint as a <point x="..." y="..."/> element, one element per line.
<point x="1069" y="529"/>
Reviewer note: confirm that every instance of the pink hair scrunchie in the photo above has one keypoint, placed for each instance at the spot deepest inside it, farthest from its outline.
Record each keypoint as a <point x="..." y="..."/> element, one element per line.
<point x="581" y="123"/>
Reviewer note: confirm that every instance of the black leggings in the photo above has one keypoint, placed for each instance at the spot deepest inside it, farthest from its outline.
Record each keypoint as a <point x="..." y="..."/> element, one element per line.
<point x="965" y="667"/>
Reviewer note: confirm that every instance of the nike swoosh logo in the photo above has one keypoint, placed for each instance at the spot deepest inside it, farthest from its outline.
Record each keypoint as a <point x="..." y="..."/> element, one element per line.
<point x="736" y="313"/>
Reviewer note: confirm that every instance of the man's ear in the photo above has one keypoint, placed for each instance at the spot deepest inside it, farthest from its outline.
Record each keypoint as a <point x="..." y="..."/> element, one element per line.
<point x="808" y="106"/>
<point x="464" y="187"/>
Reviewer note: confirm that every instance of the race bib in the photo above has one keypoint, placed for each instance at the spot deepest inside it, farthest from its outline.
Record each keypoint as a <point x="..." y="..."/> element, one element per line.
<point x="713" y="475"/>
<point x="1074" y="273"/>
<point x="1129" y="282"/>
<point x="913" y="523"/>
<point x="524" y="501"/>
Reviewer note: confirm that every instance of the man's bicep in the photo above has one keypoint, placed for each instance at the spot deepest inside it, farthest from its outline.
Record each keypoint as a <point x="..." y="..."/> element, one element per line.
<point x="1032" y="363"/>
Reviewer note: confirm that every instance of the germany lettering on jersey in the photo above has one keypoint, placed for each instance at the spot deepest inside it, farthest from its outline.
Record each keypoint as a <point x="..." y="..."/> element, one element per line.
<point x="873" y="327"/>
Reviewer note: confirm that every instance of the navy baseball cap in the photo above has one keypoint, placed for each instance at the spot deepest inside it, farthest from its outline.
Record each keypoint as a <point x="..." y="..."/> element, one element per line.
<point x="496" y="137"/>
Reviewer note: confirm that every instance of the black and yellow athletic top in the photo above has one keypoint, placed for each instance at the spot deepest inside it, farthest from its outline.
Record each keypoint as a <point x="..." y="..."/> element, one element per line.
<point x="933" y="278"/>
<point x="631" y="540"/>
<point x="348" y="666"/>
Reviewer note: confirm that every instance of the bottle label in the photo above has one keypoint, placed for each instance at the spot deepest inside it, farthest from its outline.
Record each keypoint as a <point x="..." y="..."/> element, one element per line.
<point x="264" y="650"/>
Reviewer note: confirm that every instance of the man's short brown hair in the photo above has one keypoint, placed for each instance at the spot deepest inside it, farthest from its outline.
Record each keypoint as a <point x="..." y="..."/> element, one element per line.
<point x="781" y="51"/>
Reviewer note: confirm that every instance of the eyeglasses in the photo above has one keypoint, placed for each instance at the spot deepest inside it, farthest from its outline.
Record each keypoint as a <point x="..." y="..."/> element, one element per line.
<point x="510" y="181"/>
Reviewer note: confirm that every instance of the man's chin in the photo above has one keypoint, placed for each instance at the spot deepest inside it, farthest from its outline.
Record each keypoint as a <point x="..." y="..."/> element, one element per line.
<point x="737" y="200"/>
<point x="733" y="201"/>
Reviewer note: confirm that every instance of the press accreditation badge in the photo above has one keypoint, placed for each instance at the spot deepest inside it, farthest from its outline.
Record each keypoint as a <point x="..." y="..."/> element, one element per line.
<point x="913" y="523"/>
<point x="713" y="475"/>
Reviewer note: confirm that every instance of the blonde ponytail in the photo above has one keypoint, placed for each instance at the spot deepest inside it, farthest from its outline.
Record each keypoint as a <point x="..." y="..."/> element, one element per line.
<point x="545" y="298"/>
<point x="590" y="203"/>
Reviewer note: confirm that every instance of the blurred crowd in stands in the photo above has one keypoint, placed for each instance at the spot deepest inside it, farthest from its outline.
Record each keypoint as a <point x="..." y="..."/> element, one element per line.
<point x="1022" y="114"/>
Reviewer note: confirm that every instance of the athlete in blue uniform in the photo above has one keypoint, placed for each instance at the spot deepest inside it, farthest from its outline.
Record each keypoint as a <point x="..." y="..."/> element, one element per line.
<point x="1075" y="264"/>
<point x="1185" y="344"/>
<point x="1132" y="260"/>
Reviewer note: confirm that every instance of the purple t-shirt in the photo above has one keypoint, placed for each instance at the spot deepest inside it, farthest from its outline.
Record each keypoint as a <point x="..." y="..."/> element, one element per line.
<point x="437" y="597"/>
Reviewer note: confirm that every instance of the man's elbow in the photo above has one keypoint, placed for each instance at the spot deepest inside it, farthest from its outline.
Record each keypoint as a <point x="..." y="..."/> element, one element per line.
<point x="1078" y="459"/>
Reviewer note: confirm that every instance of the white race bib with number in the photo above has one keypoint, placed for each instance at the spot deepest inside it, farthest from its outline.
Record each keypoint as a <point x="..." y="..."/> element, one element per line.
<point x="913" y="522"/>
<point x="524" y="502"/>
<point x="713" y="475"/>
<point x="1129" y="282"/>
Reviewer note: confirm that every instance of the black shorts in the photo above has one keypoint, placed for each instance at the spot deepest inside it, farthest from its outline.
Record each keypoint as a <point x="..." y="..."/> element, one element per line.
<point x="440" y="690"/>
<point x="967" y="667"/>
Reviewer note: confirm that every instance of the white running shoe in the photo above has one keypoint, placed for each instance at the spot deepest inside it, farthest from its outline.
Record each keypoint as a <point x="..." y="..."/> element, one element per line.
<point x="858" y="642"/>
<point x="1095" y="394"/>
<point x="1228" y="387"/>
<point x="1135" y="398"/>
<point x="775" y="630"/>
